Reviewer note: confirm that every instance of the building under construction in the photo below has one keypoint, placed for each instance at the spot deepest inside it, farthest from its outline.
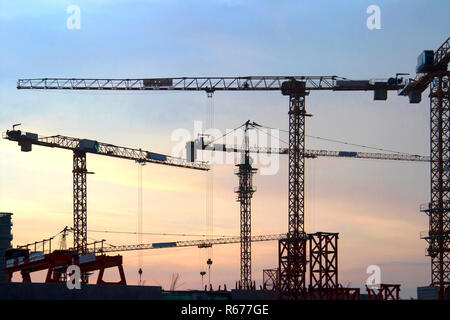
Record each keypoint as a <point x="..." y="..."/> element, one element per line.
<point x="307" y="262"/>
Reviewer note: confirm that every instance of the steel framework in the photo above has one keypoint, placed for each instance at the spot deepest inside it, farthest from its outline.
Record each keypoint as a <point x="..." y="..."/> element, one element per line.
<point x="209" y="84"/>
<point x="311" y="153"/>
<point x="341" y="293"/>
<point x="245" y="192"/>
<point x="384" y="292"/>
<point x="292" y="268"/>
<point x="270" y="279"/>
<point x="292" y="250"/>
<point x="187" y="243"/>
<point x="45" y="246"/>
<point x="79" y="202"/>
<point x="323" y="261"/>
<point x="438" y="237"/>
<point x="56" y="264"/>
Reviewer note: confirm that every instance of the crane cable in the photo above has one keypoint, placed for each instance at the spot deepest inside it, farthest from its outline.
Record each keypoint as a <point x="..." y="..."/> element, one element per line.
<point x="310" y="188"/>
<point x="315" y="137"/>
<point x="224" y="135"/>
<point x="209" y="177"/>
<point x="339" y="141"/>
<point x="140" y="218"/>
<point x="161" y="234"/>
<point x="313" y="215"/>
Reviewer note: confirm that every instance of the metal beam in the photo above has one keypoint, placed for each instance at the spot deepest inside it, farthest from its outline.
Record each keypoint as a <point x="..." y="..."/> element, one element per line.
<point x="250" y="83"/>
<point x="188" y="243"/>
<point x="105" y="149"/>
<point x="245" y="192"/>
<point x="315" y="153"/>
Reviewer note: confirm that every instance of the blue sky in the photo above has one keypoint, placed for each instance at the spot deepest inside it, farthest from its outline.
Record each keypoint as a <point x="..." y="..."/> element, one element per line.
<point x="173" y="38"/>
<point x="133" y="39"/>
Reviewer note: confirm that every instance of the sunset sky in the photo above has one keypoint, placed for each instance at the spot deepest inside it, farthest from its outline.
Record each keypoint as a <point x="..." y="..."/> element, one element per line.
<point x="374" y="205"/>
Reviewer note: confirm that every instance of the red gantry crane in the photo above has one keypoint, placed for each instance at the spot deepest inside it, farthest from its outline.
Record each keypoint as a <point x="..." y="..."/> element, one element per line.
<point x="292" y="249"/>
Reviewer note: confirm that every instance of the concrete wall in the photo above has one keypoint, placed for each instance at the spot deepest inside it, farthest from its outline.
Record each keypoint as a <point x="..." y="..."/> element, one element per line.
<point x="253" y="295"/>
<point x="427" y="293"/>
<point x="5" y="239"/>
<point x="57" y="291"/>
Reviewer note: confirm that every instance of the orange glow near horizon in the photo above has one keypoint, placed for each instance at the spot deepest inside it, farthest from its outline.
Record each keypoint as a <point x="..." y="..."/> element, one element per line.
<point x="42" y="205"/>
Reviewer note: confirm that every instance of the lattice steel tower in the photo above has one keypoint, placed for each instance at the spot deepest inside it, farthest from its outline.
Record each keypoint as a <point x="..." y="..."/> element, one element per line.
<point x="292" y="250"/>
<point x="79" y="202"/>
<point x="439" y="207"/>
<point x="432" y="71"/>
<point x="245" y="191"/>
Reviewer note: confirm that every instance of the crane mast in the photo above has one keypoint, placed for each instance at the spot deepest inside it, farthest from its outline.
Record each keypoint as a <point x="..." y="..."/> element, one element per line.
<point x="244" y="192"/>
<point x="79" y="201"/>
<point x="432" y="71"/>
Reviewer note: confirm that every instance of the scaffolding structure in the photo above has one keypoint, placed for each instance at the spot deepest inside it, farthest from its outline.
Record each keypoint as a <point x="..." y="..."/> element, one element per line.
<point x="323" y="262"/>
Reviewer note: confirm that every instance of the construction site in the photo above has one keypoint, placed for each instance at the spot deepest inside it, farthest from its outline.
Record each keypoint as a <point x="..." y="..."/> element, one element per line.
<point x="72" y="263"/>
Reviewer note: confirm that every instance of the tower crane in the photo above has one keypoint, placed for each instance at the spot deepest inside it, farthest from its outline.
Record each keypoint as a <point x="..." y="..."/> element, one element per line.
<point x="245" y="172"/>
<point x="292" y="249"/>
<point x="432" y="71"/>
<point x="80" y="148"/>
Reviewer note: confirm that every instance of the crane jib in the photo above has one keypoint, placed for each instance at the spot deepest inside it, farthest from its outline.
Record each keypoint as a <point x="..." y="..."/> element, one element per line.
<point x="251" y="83"/>
<point x="27" y="139"/>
